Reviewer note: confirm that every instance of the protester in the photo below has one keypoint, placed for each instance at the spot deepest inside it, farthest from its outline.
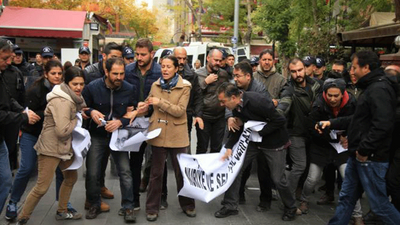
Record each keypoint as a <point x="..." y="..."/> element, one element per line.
<point x="368" y="163"/>
<point x="54" y="144"/>
<point x="197" y="65"/>
<point x="108" y="99"/>
<point x="275" y="139"/>
<point x="169" y="97"/>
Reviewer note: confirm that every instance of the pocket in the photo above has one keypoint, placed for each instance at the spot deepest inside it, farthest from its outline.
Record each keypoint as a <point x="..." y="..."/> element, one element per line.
<point x="180" y="121"/>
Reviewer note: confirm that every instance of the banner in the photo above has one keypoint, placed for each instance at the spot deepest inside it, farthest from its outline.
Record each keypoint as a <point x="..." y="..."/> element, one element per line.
<point x="206" y="176"/>
<point x="80" y="144"/>
<point x="132" y="136"/>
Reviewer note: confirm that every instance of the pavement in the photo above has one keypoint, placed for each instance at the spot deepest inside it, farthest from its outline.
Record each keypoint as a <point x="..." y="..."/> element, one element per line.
<point x="44" y="213"/>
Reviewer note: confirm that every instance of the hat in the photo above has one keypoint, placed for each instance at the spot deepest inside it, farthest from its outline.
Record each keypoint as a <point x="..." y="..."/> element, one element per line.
<point x="47" y="51"/>
<point x="254" y="60"/>
<point x="308" y="60"/>
<point x="128" y="52"/>
<point x="83" y="49"/>
<point x="320" y="62"/>
<point x="17" y="49"/>
<point x="165" y="53"/>
<point x="337" y="83"/>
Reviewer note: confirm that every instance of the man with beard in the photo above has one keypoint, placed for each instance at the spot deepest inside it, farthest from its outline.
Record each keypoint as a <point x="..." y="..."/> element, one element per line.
<point x="84" y="56"/>
<point x="141" y="74"/>
<point x="295" y="103"/>
<point x="210" y="77"/>
<point x="97" y="70"/>
<point x="266" y="73"/>
<point x="108" y="99"/>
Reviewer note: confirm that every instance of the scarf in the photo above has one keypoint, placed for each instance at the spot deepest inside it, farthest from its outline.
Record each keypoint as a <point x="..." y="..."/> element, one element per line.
<point x="79" y="101"/>
<point x="172" y="83"/>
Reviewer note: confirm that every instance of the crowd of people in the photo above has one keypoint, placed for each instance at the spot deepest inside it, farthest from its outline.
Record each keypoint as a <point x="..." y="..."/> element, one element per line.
<point x="337" y="125"/>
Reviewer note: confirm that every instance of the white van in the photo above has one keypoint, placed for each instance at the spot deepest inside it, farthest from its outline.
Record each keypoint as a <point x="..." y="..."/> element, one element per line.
<point x="199" y="50"/>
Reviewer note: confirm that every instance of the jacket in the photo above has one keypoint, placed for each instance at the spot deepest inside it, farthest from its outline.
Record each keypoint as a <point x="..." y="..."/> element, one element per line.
<point x="274" y="134"/>
<point x="321" y="151"/>
<point x="195" y="105"/>
<point x="15" y="83"/>
<point x="35" y="100"/>
<point x="170" y="115"/>
<point x="132" y="76"/>
<point x="112" y="103"/>
<point x="211" y="109"/>
<point x="371" y="127"/>
<point x="295" y="103"/>
<point x="25" y="68"/>
<point x="59" y="121"/>
<point x="273" y="81"/>
<point x="10" y="109"/>
<point x="94" y="71"/>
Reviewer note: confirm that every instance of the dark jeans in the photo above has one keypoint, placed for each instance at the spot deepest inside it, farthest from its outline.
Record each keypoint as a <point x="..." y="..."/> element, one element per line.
<point x="393" y="181"/>
<point x="5" y="174"/>
<point x="264" y="179"/>
<point x="95" y="156"/>
<point x="11" y="138"/>
<point x="213" y="134"/>
<point x="370" y="177"/>
<point x="156" y="175"/>
<point x="276" y="160"/>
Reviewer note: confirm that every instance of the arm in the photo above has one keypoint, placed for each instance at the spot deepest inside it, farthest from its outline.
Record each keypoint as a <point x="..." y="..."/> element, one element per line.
<point x="285" y="102"/>
<point x="274" y="119"/>
<point x="197" y="97"/>
<point x="61" y="113"/>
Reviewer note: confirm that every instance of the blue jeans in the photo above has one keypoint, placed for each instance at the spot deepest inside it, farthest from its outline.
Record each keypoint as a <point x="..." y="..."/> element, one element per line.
<point x="5" y="174"/>
<point x="27" y="166"/>
<point x="99" y="147"/>
<point x="370" y="177"/>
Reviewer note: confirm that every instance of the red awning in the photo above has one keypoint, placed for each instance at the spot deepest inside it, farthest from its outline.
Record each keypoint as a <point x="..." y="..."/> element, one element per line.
<point x="30" y="22"/>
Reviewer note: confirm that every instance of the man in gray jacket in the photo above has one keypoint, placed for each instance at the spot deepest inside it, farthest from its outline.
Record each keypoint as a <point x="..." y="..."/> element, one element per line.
<point x="210" y="77"/>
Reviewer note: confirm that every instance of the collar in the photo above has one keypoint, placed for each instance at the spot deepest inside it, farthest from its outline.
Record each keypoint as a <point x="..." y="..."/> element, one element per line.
<point x="266" y="74"/>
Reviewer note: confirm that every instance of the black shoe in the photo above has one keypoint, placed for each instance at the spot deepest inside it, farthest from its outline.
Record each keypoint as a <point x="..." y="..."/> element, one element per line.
<point x="190" y="213"/>
<point x="164" y="203"/>
<point x="263" y="206"/>
<point x="129" y="216"/>
<point x="93" y="212"/>
<point x="289" y="215"/>
<point x="225" y="212"/>
<point x="136" y="205"/>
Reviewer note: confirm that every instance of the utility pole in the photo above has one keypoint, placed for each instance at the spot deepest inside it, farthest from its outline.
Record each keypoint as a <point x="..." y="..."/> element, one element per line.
<point x="236" y="28"/>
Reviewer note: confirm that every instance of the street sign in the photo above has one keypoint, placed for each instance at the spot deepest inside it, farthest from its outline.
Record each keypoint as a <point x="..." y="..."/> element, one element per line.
<point x="234" y="40"/>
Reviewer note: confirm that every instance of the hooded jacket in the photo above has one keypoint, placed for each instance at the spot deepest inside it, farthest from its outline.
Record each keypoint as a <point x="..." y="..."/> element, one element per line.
<point x="273" y="81"/>
<point x="59" y="121"/>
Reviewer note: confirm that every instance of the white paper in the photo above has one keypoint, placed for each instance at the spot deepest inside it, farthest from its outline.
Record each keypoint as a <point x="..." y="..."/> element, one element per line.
<point x="80" y="144"/>
<point x="131" y="137"/>
<point x="339" y="148"/>
<point x="206" y="177"/>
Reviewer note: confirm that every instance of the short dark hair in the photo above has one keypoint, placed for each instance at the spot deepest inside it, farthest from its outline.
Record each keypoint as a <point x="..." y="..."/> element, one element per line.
<point x="112" y="46"/>
<point x="110" y="62"/>
<point x="228" y="89"/>
<point x="340" y="62"/>
<point x="267" y="51"/>
<point x="173" y="59"/>
<point x="144" y="43"/>
<point x="5" y="45"/>
<point x="245" y="67"/>
<point x="294" y="61"/>
<point x="366" y="57"/>
<point x="230" y="55"/>
<point x="73" y="72"/>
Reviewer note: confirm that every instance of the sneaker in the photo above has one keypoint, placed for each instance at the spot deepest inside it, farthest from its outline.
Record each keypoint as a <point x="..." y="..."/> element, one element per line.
<point x="106" y="193"/>
<point x="289" y="215"/>
<point x="70" y="208"/>
<point x="129" y="216"/>
<point x="136" y="205"/>
<point x="22" y="221"/>
<point x="11" y="211"/>
<point x="164" y="203"/>
<point x="190" y="213"/>
<point x="151" y="217"/>
<point x="104" y="207"/>
<point x="68" y="216"/>
<point x="275" y="195"/>
<point x="93" y="212"/>
<point x="326" y="200"/>
<point x="225" y="212"/>
<point x="121" y="212"/>
<point x="303" y="207"/>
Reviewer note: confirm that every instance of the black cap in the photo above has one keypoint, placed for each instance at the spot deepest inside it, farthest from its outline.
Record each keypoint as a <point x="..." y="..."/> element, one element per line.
<point x="165" y="53"/>
<point x="337" y="83"/>
<point x="128" y="52"/>
<point x="308" y="60"/>
<point x="320" y="62"/>
<point x="254" y="61"/>
<point x="84" y="49"/>
<point x="47" y="51"/>
<point x="17" y="49"/>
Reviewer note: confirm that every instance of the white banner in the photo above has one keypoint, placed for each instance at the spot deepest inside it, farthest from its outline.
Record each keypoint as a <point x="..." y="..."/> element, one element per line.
<point x="206" y="177"/>
<point x="80" y="144"/>
<point x="132" y="136"/>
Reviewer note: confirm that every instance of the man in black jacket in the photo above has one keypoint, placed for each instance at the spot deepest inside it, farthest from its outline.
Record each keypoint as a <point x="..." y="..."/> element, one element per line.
<point x="20" y="62"/>
<point x="10" y="112"/>
<point x="369" y="139"/>
<point x="275" y="139"/>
